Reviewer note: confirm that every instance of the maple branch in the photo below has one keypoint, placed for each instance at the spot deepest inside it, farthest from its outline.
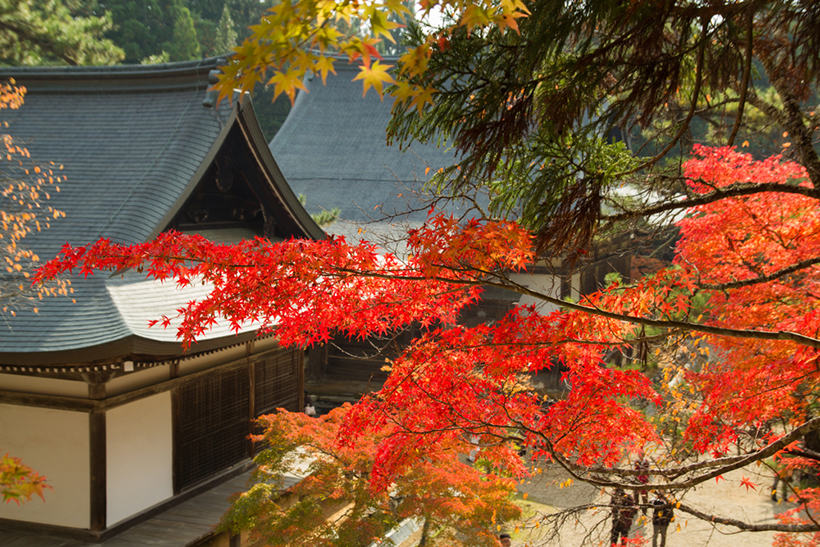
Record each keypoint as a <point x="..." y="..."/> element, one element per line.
<point x="722" y="465"/>
<point x="664" y="324"/>
<point x="763" y="279"/>
<point x="551" y="343"/>
<point x="745" y="526"/>
<point x="508" y="284"/>
<point x="804" y="453"/>
<point x="730" y="191"/>
<point x="741" y="525"/>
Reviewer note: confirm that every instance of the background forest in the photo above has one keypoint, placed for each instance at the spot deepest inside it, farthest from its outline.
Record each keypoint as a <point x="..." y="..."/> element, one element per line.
<point x="104" y="32"/>
<point x="154" y="31"/>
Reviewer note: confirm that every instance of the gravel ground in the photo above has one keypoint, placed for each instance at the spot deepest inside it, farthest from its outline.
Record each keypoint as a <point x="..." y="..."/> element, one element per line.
<point x="727" y="498"/>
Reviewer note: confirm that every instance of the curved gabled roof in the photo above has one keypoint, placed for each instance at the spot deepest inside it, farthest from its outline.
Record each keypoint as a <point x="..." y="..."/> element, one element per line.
<point x="134" y="142"/>
<point x="332" y="148"/>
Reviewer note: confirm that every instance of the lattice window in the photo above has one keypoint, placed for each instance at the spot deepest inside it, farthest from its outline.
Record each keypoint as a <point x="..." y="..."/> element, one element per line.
<point x="276" y="383"/>
<point x="213" y="425"/>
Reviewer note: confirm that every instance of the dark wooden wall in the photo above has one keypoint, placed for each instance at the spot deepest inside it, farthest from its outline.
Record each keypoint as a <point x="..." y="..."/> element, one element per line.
<point x="214" y="414"/>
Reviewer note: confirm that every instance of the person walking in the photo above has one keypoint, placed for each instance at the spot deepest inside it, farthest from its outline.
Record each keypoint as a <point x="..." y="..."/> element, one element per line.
<point x="623" y="512"/>
<point x="642" y="466"/>
<point x="662" y="514"/>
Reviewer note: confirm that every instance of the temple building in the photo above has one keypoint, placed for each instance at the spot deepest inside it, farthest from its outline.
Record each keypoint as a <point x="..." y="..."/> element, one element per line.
<point x="122" y="420"/>
<point x="333" y="150"/>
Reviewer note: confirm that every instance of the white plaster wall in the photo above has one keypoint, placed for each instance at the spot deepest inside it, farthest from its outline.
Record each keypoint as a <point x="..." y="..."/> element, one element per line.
<point x="543" y="283"/>
<point x="575" y="287"/>
<point x="55" y="444"/>
<point x="141" y="378"/>
<point x="139" y="456"/>
<point x="46" y="386"/>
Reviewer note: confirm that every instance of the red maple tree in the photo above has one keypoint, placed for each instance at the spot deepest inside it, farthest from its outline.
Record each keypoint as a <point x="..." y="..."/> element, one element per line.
<point x="742" y="288"/>
<point x="334" y="503"/>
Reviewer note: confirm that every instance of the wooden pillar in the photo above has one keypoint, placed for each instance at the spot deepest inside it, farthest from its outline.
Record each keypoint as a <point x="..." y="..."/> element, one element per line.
<point x="176" y="439"/>
<point x="299" y="357"/>
<point x="98" y="470"/>
<point x="316" y="363"/>
<point x="96" y="383"/>
<point x="251" y="404"/>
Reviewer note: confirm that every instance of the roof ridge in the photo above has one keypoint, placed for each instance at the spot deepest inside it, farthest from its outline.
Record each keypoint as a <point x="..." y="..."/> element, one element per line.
<point x="122" y="78"/>
<point x="115" y="69"/>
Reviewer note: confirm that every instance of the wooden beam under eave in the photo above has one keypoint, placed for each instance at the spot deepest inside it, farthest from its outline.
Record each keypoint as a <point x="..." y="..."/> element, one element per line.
<point x="98" y="470"/>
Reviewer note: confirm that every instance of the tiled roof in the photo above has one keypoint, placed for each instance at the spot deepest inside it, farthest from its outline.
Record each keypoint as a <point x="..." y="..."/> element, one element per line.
<point x="332" y="148"/>
<point x="133" y="141"/>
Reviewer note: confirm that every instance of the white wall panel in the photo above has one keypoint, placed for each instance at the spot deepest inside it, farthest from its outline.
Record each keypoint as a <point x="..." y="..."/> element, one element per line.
<point x="55" y="444"/>
<point x="139" y="456"/>
<point x="136" y="380"/>
<point x="45" y="386"/>
<point x="543" y="283"/>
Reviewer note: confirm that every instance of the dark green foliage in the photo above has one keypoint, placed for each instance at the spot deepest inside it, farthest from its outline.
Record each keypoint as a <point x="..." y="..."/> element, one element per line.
<point x="206" y="33"/>
<point x="140" y="28"/>
<point x="324" y="218"/>
<point x="225" y="33"/>
<point x="146" y="27"/>
<point x="184" y="45"/>
<point x="243" y="12"/>
<point x="45" y="32"/>
<point x="531" y="112"/>
<point x="271" y="115"/>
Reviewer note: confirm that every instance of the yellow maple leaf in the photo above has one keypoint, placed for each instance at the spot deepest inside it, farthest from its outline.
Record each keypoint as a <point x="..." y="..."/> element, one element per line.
<point x="327" y="37"/>
<point x="375" y="76"/>
<point x="509" y="11"/>
<point x="414" y="62"/>
<point x="380" y="25"/>
<point x="402" y="93"/>
<point x="287" y="83"/>
<point x="473" y="16"/>
<point x="301" y="62"/>
<point x="323" y="65"/>
<point x="396" y="6"/>
<point x="423" y="96"/>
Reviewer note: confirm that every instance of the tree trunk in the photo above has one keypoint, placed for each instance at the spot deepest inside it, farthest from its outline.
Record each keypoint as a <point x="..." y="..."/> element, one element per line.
<point x="424" y="531"/>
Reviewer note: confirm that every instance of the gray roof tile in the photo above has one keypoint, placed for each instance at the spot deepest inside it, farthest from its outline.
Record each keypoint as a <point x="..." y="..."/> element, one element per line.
<point x="131" y="140"/>
<point x="332" y="148"/>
